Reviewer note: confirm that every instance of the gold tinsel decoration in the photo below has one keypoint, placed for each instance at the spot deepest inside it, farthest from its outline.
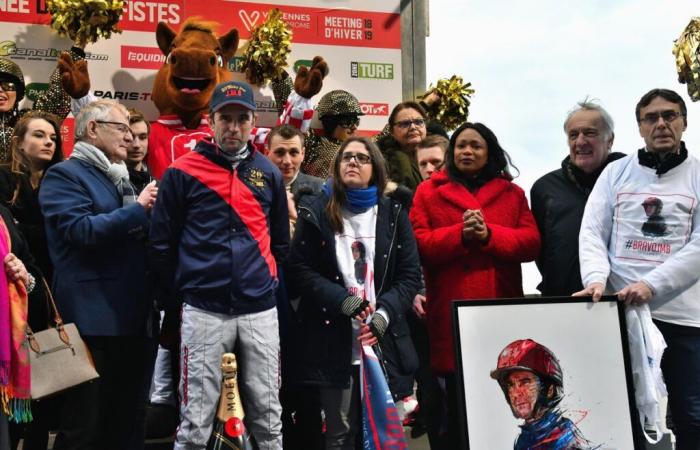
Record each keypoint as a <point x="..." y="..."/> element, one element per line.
<point x="85" y="20"/>
<point x="687" y="52"/>
<point x="452" y="109"/>
<point x="265" y="56"/>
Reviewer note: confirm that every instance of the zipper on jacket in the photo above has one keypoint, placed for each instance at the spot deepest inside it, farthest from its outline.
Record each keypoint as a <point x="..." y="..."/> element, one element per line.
<point x="232" y="198"/>
<point x="391" y="245"/>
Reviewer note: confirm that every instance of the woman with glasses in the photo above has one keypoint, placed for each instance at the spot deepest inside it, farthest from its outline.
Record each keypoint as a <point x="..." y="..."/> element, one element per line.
<point x="407" y="128"/>
<point x="474" y="228"/>
<point x="355" y="263"/>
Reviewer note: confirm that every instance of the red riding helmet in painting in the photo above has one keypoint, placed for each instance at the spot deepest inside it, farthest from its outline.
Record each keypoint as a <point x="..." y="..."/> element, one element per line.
<point x="526" y="354"/>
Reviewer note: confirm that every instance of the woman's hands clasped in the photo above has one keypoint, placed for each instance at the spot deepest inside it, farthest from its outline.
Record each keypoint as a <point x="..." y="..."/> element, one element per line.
<point x="474" y="227"/>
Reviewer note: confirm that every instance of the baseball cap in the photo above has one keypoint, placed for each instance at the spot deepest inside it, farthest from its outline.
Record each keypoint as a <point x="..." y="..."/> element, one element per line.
<point x="232" y="93"/>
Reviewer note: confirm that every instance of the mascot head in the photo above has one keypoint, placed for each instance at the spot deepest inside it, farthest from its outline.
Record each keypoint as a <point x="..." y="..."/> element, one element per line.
<point x="196" y="61"/>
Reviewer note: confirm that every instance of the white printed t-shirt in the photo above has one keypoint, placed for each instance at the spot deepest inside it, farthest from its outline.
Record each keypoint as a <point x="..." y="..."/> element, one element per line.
<point x="640" y="226"/>
<point x="354" y="249"/>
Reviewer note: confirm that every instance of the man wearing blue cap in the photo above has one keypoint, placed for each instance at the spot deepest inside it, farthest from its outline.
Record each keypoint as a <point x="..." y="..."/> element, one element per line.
<point x="218" y="234"/>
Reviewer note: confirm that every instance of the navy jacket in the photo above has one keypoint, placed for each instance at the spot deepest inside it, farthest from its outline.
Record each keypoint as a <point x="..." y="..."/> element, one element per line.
<point x="98" y="250"/>
<point x="324" y="333"/>
<point x="217" y="234"/>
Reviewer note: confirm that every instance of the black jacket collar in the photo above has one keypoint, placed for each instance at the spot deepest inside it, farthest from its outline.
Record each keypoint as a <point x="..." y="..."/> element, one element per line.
<point x="664" y="163"/>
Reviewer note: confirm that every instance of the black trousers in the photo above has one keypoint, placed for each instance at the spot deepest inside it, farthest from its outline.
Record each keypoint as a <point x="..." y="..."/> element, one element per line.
<point x="681" y="368"/>
<point x="103" y="414"/>
<point x="429" y="393"/>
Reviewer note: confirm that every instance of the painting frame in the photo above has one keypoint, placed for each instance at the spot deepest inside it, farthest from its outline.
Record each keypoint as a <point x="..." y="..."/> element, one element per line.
<point x="484" y="328"/>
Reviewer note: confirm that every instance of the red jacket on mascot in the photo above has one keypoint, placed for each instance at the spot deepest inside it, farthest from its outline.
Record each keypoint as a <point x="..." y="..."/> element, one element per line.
<point x="196" y="61"/>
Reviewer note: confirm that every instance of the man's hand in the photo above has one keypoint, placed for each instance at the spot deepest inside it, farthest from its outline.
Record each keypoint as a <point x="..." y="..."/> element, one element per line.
<point x="418" y="306"/>
<point x="309" y="81"/>
<point x="147" y="197"/>
<point x="637" y="293"/>
<point x="75" y="78"/>
<point x="594" y="289"/>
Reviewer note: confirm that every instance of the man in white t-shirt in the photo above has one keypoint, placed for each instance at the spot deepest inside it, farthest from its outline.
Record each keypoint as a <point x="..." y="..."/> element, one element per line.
<point x="622" y="253"/>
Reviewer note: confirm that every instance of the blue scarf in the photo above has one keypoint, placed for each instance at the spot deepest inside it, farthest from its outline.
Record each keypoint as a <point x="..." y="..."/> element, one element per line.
<point x="359" y="200"/>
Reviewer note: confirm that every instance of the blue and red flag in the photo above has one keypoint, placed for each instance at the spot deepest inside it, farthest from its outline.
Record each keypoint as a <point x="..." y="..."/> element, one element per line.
<point x="381" y="425"/>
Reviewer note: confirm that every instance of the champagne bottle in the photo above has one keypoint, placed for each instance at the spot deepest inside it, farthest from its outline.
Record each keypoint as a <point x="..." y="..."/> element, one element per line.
<point x="229" y="432"/>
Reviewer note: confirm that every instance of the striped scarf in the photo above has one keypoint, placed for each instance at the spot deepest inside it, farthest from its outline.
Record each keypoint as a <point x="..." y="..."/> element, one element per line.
<point x="15" y="378"/>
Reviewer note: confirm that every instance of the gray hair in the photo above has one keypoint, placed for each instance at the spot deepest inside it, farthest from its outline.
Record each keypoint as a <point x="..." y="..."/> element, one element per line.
<point x="588" y="104"/>
<point x="97" y="110"/>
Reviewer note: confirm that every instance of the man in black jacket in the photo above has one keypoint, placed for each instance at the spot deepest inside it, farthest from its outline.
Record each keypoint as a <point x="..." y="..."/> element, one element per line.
<point x="558" y="198"/>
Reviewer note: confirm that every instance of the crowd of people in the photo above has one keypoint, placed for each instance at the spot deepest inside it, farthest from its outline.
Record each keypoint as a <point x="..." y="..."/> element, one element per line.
<point x="296" y="256"/>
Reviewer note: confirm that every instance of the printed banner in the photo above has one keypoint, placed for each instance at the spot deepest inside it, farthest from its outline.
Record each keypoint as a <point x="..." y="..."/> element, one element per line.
<point x="381" y="424"/>
<point x="360" y="39"/>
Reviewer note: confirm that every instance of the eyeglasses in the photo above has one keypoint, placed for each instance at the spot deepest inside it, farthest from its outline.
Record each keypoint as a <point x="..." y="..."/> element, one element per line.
<point x="407" y="123"/>
<point x="349" y="122"/>
<point x="121" y="127"/>
<point x="8" y="86"/>
<point x="667" y="116"/>
<point x="360" y="158"/>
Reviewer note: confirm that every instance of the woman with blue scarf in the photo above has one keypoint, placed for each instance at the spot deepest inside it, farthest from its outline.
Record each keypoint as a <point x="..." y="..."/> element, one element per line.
<point x="354" y="261"/>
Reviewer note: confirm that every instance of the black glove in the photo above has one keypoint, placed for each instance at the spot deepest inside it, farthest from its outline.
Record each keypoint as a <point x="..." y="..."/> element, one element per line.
<point x="353" y="306"/>
<point x="378" y="325"/>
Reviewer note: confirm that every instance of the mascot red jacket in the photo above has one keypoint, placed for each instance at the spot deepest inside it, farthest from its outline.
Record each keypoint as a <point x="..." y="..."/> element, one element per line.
<point x="196" y="61"/>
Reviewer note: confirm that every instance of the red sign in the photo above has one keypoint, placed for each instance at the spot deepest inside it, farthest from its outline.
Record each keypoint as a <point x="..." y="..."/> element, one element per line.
<point x="24" y="11"/>
<point x="140" y="15"/>
<point x="67" y="137"/>
<point x="135" y="57"/>
<point x="326" y="26"/>
<point x="375" y="109"/>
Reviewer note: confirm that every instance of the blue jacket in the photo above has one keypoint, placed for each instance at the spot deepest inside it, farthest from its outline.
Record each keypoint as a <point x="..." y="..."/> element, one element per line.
<point x="218" y="234"/>
<point x="98" y="250"/>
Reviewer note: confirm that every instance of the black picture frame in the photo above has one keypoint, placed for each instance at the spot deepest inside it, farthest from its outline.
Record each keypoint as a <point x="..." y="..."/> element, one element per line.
<point x="626" y="434"/>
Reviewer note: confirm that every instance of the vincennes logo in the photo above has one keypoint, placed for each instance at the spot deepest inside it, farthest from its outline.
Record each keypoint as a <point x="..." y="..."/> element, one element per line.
<point x="249" y="20"/>
<point x="299" y="20"/>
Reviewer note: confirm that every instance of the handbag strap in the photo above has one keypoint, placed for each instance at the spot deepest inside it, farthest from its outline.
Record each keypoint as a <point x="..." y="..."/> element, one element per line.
<point x="49" y="296"/>
<point x="58" y="322"/>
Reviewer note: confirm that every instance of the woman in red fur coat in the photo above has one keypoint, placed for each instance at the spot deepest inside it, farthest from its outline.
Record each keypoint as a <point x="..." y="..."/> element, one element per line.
<point x="473" y="227"/>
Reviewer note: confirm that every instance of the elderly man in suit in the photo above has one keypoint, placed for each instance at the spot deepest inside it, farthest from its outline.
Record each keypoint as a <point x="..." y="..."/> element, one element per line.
<point x="97" y="225"/>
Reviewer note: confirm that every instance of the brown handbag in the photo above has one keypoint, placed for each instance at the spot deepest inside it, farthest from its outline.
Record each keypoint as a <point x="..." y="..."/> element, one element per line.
<point x="58" y="356"/>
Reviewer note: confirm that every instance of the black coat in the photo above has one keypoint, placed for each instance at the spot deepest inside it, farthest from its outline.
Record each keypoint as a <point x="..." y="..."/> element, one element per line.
<point x="558" y="200"/>
<point x="324" y="334"/>
<point x="27" y="214"/>
<point x="39" y="316"/>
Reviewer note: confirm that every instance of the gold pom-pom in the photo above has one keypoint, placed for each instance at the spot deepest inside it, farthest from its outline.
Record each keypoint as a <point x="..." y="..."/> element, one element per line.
<point x="687" y="52"/>
<point x="448" y="102"/>
<point x="265" y="56"/>
<point x="85" y="20"/>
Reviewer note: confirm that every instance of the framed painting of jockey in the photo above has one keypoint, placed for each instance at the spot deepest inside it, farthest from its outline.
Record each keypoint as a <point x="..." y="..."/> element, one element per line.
<point x="545" y="373"/>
